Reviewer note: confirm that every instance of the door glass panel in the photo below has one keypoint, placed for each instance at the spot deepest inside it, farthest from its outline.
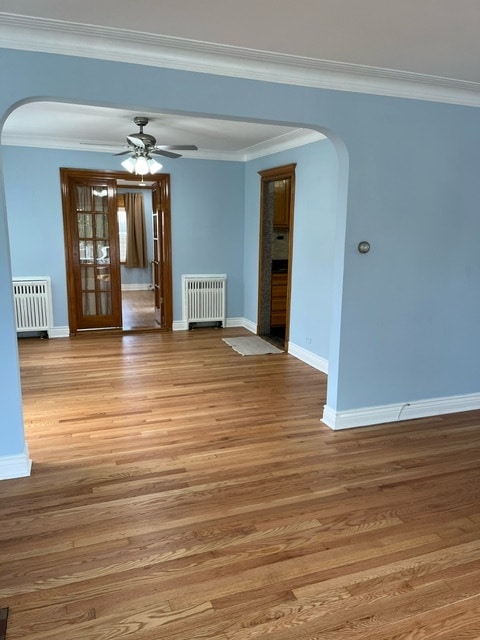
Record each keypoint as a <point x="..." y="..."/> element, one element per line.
<point x="85" y="227"/>
<point x="86" y="249"/>
<point x="101" y="225"/>
<point x="84" y="199"/>
<point x="100" y="198"/>
<point x="103" y="277"/>
<point x="89" y="307"/>
<point x="104" y="299"/>
<point x="88" y="278"/>
<point x="102" y="252"/>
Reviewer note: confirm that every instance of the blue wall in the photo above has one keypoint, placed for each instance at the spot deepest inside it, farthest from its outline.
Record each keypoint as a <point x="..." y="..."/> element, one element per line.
<point x="405" y="316"/>
<point x="12" y="441"/>
<point x="410" y="309"/>
<point x="207" y="219"/>
<point x="207" y="229"/>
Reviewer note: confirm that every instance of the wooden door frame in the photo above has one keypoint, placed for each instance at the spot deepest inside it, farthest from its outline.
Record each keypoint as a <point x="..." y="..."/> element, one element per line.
<point x="162" y="182"/>
<point x="164" y="232"/>
<point x="268" y="175"/>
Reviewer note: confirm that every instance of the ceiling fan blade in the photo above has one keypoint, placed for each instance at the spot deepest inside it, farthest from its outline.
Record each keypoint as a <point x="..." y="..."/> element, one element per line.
<point x="167" y="154"/>
<point x="177" y="147"/>
<point x="122" y="153"/>
<point x="137" y="142"/>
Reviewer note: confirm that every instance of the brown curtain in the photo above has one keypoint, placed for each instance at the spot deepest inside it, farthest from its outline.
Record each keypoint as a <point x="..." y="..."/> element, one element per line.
<point x="136" y="232"/>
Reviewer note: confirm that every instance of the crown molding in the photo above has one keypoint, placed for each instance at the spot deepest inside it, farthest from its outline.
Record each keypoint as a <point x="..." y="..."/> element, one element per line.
<point x="284" y="142"/>
<point x="122" y="45"/>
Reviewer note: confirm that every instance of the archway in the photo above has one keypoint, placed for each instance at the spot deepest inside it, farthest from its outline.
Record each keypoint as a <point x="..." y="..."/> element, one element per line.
<point x="338" y="259"/>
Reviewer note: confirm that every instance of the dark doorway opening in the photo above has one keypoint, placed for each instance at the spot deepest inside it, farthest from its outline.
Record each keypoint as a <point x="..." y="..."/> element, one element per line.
<point x="277" y="197"/>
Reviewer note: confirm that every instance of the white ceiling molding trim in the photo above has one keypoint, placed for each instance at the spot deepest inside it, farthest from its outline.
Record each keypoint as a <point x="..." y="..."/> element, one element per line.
<point x="284" y="142"/>
<point x="281" y="143"/>
<point x="122" y="45"/>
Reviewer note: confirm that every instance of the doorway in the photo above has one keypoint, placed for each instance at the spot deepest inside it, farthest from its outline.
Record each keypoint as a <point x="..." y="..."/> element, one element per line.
<point x="92" y="250"/>
<point x="277" y="198"/>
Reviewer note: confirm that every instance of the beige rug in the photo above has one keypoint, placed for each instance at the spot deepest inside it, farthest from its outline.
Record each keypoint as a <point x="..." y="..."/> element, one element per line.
<point x="251" y="346"/>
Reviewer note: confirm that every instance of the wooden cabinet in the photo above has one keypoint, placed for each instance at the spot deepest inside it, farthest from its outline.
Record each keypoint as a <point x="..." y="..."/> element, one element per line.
<point x="278" y="309"/>
<point x="281" y="204"/>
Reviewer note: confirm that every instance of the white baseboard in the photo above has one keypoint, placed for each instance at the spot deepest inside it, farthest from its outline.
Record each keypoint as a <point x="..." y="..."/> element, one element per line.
<point x="179" y="325"/>
<point x="142" y="286"/>
<point x="18" y="466"/>
<point x="182" y="325"/>
<point x="54" y="332"/>
<point x="59" y="332"/>
<point x="242" y="322"/>
<point x="368" y="416"/>
<point x="317" y="362"/>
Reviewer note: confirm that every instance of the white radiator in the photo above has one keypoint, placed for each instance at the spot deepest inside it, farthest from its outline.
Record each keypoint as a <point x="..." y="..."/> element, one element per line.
<point x="204" y="298"/>
<point x="33" y="304"/>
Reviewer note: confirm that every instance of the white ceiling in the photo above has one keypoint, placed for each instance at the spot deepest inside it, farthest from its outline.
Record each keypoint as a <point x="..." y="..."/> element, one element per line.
<point x="434" y="37"/>
<point x="432" y="42"/>
<point x="91" y="128"/>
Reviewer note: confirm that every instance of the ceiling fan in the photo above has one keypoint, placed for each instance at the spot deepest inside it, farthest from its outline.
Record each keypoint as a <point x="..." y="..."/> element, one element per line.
<point x="142" y="145"/>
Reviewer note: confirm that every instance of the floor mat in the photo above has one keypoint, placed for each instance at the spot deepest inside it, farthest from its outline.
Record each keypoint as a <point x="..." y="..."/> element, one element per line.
<point x="251" y="346"/>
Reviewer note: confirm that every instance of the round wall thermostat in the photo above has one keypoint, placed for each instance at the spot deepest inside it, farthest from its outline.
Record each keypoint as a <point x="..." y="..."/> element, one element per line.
<point x="364" y="246"/>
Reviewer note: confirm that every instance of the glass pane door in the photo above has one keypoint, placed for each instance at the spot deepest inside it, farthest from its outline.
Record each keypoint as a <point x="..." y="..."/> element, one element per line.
<point x="93" y="248"/>
<point x="94" y="261"/>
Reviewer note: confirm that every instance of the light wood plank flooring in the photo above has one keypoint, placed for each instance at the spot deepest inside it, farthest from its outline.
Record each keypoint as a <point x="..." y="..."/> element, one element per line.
<point x="181" y="491"/>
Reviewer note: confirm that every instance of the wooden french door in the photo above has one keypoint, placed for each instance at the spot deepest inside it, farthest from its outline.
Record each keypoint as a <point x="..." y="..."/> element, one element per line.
<point x="92" y="250"/>
<point x="162" y="261"/>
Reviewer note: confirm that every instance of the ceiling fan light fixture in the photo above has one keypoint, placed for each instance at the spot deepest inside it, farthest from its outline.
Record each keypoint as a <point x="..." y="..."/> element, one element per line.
<point x="129" y="164"/>
<point x="142" y="145"/>
<point x="154" y="166"/>
<point x="141" y="166"/>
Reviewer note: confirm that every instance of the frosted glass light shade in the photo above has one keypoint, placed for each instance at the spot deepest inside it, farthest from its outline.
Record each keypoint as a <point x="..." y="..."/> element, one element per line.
<point x="154" y="166"/>
<point x="129" y="164"/>
<point x="141" y="166"/>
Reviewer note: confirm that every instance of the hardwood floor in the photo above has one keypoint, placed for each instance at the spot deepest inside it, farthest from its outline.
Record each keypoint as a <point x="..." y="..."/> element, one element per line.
<point x="181" y="491"/>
